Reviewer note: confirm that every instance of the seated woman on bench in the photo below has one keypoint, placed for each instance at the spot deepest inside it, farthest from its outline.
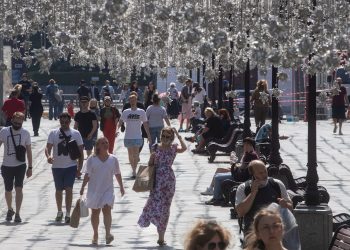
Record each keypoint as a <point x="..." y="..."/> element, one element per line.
<point x="213" y="129"/>
<point x="237" y="172"/>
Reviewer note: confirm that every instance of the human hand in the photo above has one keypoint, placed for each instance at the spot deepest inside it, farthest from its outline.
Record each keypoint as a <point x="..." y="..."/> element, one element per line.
<point x="175" y="132"/>
<point x="122" y="191"/>
<point x="78" y="173"/>
<point x="50" y="160"/>
<point x="29" y="172"/>
<point x="283" y="203"/>
<point x="255" y="186"/>
<point x="89" y="137"/>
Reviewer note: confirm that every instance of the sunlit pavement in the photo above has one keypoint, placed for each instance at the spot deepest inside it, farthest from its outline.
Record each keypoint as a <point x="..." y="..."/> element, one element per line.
<point x="193" y="174"/>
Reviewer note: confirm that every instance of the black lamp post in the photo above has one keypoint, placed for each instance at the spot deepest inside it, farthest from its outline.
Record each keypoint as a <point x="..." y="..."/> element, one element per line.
<point x="220" y="97"/>
<point x="312" y="197"/>
<point x="275" y="157"/>
<point x="246" y="124"/>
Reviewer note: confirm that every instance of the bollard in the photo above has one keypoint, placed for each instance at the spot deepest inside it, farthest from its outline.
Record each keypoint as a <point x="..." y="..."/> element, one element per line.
<point x="315" y="226"/>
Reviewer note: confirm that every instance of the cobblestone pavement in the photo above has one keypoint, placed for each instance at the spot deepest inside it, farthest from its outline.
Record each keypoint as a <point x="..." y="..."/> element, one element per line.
<point x="193" y="173"/>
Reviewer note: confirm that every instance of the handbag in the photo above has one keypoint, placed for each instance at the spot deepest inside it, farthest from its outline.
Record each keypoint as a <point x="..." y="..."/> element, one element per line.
<point x="145" y="178"/>
<point x="19" y="149"/>
<point x="84" y="210"/>
<point x="75" y="216"/>
<point x="72" y="147"/>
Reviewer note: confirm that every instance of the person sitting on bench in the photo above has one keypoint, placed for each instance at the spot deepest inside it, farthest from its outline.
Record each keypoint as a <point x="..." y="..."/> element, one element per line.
<point x="259" y="192"/>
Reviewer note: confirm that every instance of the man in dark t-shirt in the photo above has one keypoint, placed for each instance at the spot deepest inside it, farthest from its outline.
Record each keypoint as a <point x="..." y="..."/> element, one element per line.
<point x="25" y="92"/>
<point x="83" y="90"/>
<point x="86" y="124"/>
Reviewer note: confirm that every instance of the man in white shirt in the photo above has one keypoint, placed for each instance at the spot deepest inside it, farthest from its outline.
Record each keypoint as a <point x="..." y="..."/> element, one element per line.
<point x="64" y="169"/>
<point x="12" y="168"/>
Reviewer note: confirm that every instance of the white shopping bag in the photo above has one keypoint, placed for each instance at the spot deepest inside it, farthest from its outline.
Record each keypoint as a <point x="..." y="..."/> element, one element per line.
<point x="84" y="210"/>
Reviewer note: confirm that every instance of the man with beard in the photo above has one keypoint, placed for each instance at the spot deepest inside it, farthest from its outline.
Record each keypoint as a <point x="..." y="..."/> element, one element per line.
<point x="14" y="169"/>
<point x="64" y="169"/>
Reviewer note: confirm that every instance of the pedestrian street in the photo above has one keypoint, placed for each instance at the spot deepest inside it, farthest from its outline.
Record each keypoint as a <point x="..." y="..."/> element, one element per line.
<point x="193" y="174"/>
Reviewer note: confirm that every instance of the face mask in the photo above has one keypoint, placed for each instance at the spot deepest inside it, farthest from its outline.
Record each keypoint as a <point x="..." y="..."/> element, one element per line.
<point x="16" y="127"/>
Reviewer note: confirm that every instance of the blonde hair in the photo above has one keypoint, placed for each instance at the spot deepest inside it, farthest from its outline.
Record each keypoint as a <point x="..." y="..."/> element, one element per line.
<point x="203" y="232"/>
<point x="170" y="130"/>
<point x="252" y="240"/>
<point x="210" y="110"/>
<point x="93" y="100"/>
<point x="96" y="148"/>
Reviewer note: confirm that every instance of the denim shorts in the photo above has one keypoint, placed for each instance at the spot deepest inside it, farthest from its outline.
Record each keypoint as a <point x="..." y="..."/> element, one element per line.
<point x="129" y="143"/>
<point x="64" y="177"/>
<point x="89" y="144"/>
<point x="13" y="175"/>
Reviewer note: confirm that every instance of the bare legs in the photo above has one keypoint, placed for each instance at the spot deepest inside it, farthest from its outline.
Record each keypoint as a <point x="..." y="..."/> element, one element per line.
<point x="19" y="199"/>
<point x="134" y="158"/>
<point x="107" y="220"/>
<point x="68" y="200"/>
<point x="340" y="126"/>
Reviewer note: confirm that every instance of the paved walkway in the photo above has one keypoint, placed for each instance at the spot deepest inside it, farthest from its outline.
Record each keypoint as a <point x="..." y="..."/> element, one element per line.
<point x="193" y="174"/>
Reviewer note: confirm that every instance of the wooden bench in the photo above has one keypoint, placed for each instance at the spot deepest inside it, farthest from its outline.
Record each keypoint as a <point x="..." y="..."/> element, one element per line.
<point x="341" y="239"/>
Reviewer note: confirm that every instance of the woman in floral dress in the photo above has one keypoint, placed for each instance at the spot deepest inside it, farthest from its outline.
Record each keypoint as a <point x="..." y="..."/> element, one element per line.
<point x="157" y="208"/>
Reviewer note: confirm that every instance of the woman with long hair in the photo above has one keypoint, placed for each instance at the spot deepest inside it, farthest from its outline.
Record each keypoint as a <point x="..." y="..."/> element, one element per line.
<point x="99" y="170"/>
<point x="157" y="208"/>
<point x="148" y="94"/>
<point x="207" y="235"/>
<point x="109" y="120"/>
<point x="266" y="232"/>
<point x="260" y="100"/>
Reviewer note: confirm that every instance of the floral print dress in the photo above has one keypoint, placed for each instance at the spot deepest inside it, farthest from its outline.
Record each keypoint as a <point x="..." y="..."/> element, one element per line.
<point x="157" y="208"/>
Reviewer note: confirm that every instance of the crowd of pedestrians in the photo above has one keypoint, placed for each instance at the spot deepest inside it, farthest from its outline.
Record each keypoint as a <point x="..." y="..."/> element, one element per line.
<point x="97" y="123"/>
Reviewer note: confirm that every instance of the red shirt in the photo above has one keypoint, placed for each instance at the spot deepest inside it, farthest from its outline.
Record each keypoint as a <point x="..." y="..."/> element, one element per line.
<point x="11" y="106"/>
<point x="70" y="109"/>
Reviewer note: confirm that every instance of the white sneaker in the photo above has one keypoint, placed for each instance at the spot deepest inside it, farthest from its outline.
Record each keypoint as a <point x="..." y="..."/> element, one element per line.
<point x="208" y="191"/>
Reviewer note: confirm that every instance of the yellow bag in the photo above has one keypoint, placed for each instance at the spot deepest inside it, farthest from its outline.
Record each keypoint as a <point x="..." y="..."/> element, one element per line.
<point x="75" y="216"/>
<point x="145" y="178"/>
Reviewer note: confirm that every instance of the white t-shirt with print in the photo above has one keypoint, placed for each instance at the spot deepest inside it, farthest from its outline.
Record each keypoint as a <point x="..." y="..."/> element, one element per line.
<point x="21" y="137"/>
<point x="133" y="120"/>
<point x="60" y="154"/>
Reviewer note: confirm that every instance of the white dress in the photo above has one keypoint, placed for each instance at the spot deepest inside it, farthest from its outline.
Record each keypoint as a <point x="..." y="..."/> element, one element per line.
<point x="100" y="186"/>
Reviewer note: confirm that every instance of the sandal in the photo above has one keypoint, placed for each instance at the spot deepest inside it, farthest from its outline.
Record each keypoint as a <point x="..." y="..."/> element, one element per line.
<point x="161" y="243"/>
<point x="94" y="241"/>
<point x="109" y="239"/>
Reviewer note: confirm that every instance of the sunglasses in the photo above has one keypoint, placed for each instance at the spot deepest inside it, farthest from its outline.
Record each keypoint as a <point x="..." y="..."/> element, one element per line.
<point x="212" y="245"/>
<point x="166" y="136"/>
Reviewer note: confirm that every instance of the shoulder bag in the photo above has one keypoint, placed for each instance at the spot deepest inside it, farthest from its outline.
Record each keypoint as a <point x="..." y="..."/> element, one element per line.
<point x="72" y="147"/>
<point x="19" y="149"/>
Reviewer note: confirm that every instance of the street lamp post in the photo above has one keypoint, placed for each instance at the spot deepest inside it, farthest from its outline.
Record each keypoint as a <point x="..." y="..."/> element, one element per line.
<point x="246" y="124"/>
<point x="275" y="157"/>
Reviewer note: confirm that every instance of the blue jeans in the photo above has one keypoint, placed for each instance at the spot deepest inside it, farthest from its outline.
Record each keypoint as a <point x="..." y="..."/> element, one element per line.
<point x="53" y="110"/>
<point x="155" y="134"/>
<point x="218" y="180"/>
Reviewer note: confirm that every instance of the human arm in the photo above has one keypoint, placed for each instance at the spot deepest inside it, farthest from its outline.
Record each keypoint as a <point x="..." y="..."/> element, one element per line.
<point x="80" y="160"/>
<point x="284" y="201"/>
<point x="76" y="125"/>
<point x="48" y="153"/>
<point x="30" y="160"/>
<point x="182" y="142"/>
<point x="93" y="130"/>
<point x="167" y="121"/>
<point x="145" y="125"/>
<point x="244" y="205"/>
<point x="120" y="182"/>
<point x="85" y="181"/>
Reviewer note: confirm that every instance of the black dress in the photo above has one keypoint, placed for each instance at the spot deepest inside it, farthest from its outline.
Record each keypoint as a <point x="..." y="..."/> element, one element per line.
<point x="36" y="110"/>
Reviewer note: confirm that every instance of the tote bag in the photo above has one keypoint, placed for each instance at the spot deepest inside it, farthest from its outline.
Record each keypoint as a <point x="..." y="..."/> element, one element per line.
<point x="84" y="210"/>
<point x="145" y="178"/>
